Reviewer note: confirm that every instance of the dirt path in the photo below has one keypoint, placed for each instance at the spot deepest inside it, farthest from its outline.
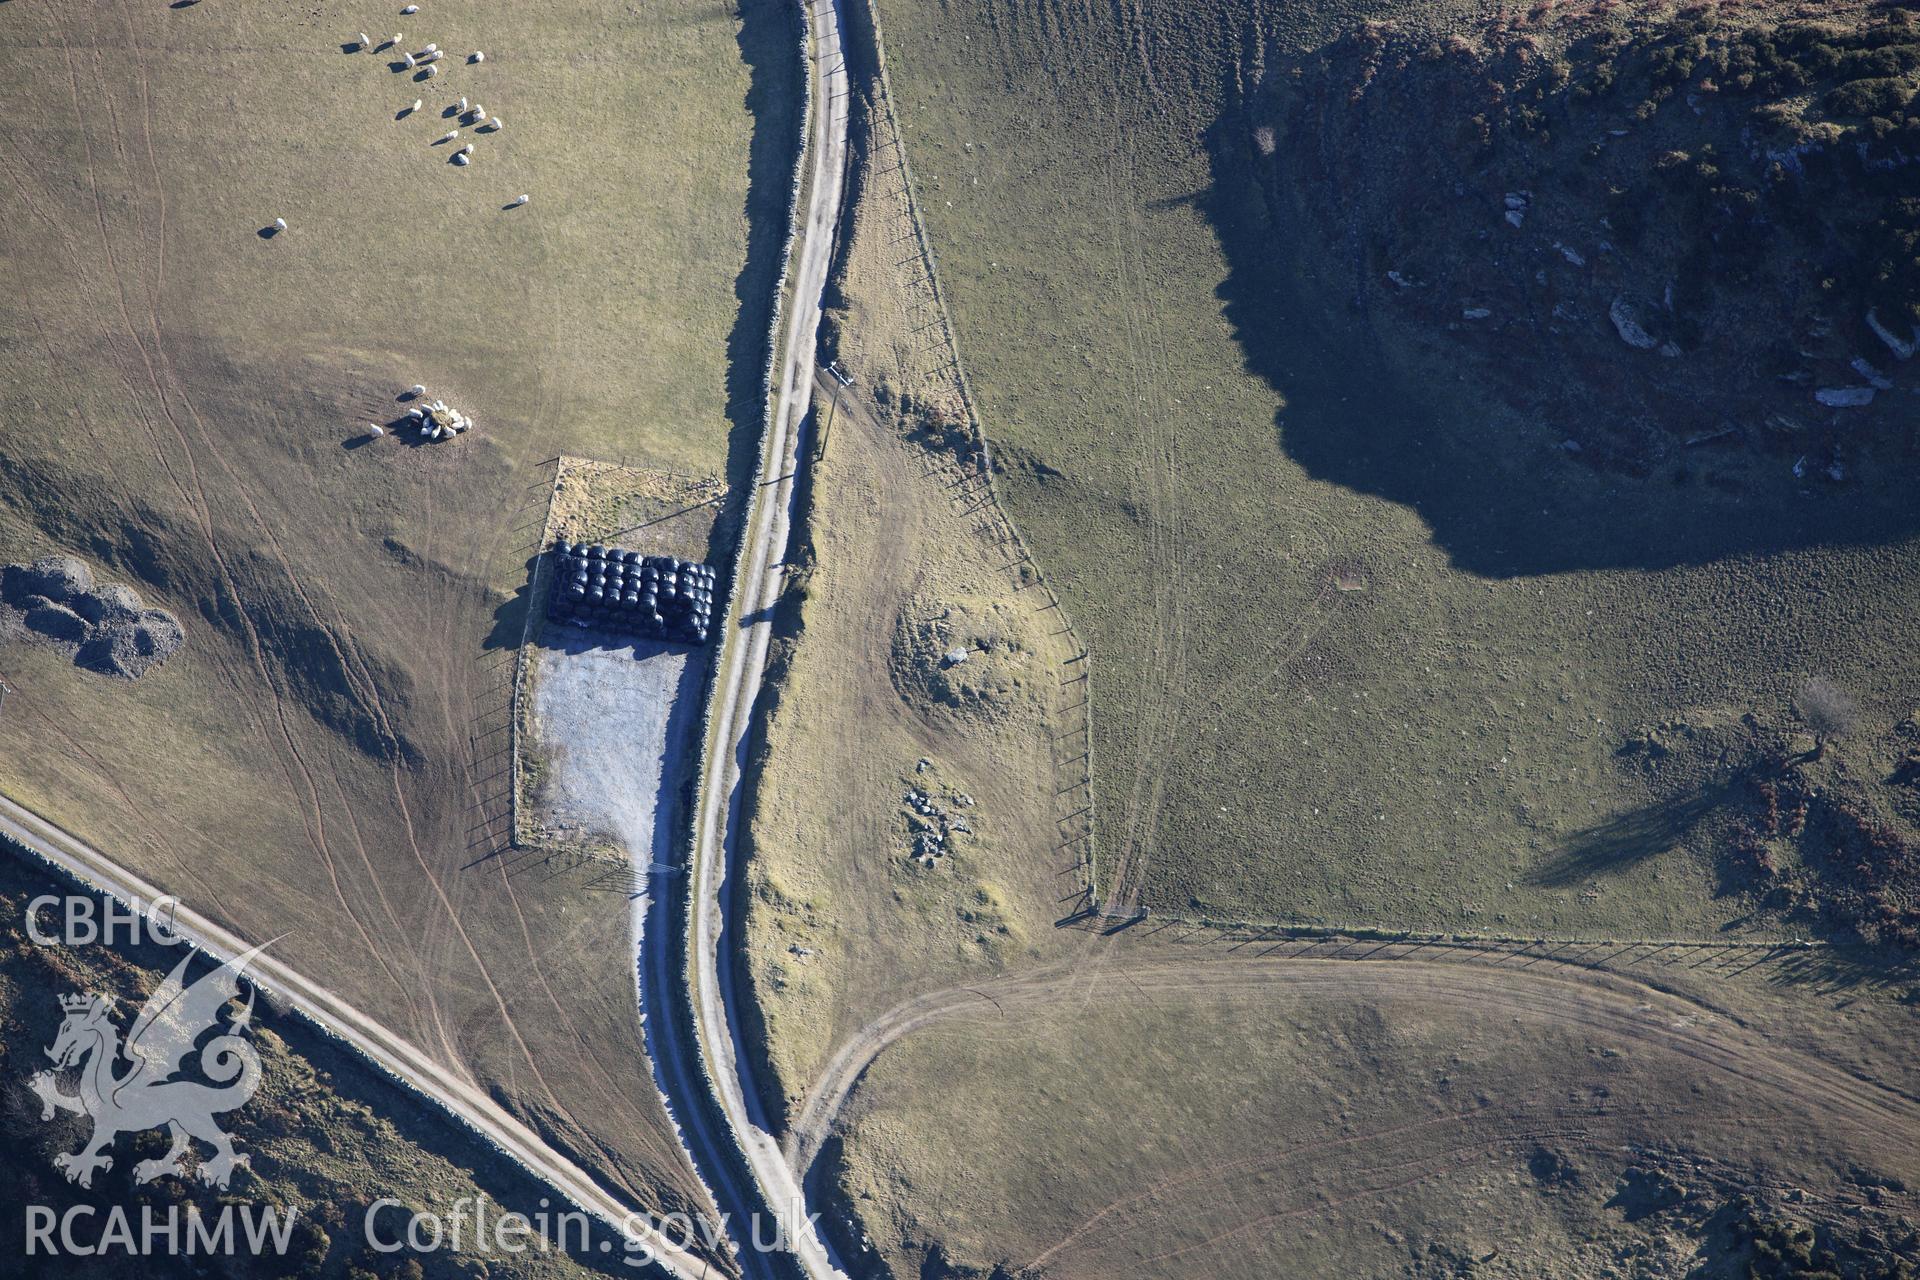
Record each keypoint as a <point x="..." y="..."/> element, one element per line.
<point x="1617" y="1005"/>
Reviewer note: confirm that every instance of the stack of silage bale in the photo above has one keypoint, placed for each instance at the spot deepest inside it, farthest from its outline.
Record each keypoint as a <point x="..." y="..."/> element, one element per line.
<point x="664" y="597"/>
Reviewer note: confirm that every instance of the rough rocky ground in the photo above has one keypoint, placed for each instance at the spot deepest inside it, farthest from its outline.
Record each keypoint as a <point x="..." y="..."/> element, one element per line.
<point x="104" y="627"/>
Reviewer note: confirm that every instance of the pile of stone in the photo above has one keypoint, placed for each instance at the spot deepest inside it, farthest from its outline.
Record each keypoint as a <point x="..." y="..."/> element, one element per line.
<point x="932" y="826"/>
<point x="663" y="597"/>
<point x="108" y="629"/>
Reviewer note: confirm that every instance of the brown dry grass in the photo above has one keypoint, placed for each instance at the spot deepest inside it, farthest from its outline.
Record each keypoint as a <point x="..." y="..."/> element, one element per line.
<point x="843" y="918"/>
<point x="1242" y="1116"/>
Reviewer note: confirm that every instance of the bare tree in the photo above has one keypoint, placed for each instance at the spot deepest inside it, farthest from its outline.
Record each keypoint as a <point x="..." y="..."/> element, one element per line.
<point x="1828" y="710"/>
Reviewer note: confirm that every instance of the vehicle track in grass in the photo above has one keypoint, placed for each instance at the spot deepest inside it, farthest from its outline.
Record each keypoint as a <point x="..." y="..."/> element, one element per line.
<point x="1621" y="1005"/>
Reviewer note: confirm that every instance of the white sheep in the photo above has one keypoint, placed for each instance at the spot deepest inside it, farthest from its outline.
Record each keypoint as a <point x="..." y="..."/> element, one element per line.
<point x="432" y="47"/>
<point x="409" y="60"/>
<point x="467" y="150"/>
<point x="462" y="158"/>
<point x="364" y="42"/>
<point x="279" y="224"/>
<point x="521" y="199"/>
<point x="448" y="136"/>
<point x="477" y="56"/>
<point x="412" y="8"/>
<point x="461" y="105"/>
<point x="416" y="390"/>
<point x="415" y="107"/>
<point x="375" y="430"/>
<point x="427" y="430"/>
<point x="432" y="72"/>
<point x="495" y="125"/>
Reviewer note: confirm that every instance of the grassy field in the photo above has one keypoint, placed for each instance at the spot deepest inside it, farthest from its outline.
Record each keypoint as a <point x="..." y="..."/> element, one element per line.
<point x="906" y="812"/>
<point x="185" y="402"/>
<point x="326" y="1135"/>
<point x="1256" y="1117"/>
<point x="903" y="809"/>
<point x="1367" y="649"/>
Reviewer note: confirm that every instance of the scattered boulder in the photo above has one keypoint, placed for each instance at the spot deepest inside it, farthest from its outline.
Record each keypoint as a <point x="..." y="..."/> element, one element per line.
<point x="1875" y="379"/>
<point x="1900" y="347"/>
<point x="1845" y="397"/>
<point x="1627" y="321"/>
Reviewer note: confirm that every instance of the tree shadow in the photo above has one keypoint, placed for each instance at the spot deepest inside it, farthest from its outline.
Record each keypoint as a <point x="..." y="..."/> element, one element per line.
<point x="1507" y="506"/>
<point x="1624" y="842"/>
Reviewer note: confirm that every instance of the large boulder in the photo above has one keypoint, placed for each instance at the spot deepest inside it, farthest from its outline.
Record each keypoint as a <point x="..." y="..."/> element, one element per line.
<point x="1844" y="397"/>
<point x="1901" y="347"/>
<point x="131" y="649"/>
<point x="1627" y="321"/>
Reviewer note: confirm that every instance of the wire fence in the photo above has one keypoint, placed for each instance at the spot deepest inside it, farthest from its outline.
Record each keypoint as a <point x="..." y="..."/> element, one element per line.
<point x="978" y="495"/>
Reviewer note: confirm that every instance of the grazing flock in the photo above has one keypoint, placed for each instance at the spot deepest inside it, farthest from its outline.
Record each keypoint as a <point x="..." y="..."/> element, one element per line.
<point x="424" y="65"/>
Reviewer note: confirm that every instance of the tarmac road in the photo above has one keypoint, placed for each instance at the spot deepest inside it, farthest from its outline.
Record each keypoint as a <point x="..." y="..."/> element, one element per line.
<point x="743" y="658"/>
<point x="394" y="1055"/>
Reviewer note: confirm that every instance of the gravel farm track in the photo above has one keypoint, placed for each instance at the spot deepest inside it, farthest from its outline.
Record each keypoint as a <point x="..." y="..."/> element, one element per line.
<point x="742" y="662"/>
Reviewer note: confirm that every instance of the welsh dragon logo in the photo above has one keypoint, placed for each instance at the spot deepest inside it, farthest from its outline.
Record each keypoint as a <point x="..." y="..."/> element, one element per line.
<point x="146" y="1096"/>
